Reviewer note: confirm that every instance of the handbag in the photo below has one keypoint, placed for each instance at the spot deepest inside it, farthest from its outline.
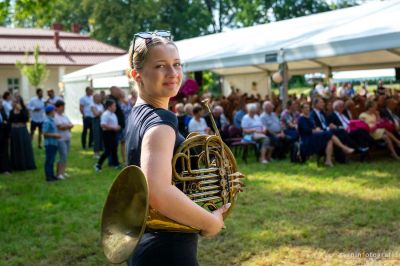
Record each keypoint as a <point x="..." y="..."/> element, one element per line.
<point x="386" y="124"/>
<point x="358" y="124"/>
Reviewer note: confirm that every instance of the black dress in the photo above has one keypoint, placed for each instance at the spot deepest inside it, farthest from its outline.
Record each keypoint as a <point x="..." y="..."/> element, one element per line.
<point x="157" y="247"/>
<point x="310" y="142"/>
<point x="21" y="143"/>
<point x="5" y="165"/>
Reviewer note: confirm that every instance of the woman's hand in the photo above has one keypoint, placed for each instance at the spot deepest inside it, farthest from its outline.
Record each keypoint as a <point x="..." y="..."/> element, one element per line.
<point x="218" y="222"/>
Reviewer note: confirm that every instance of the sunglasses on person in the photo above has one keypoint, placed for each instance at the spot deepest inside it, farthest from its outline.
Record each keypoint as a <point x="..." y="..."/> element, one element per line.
<point x="148" y="36"/>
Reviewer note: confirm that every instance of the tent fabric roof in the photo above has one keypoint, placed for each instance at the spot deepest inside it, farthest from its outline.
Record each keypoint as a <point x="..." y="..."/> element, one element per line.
<point x="360" y="37"/>
<point x="370" y="27"/>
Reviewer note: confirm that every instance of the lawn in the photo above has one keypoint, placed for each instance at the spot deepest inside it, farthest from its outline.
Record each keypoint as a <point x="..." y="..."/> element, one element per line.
<point x="289" y="214"/>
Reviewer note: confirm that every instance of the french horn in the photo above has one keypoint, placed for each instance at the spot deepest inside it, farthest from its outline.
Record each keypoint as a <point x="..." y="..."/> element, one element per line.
<point x="204" y="168"/>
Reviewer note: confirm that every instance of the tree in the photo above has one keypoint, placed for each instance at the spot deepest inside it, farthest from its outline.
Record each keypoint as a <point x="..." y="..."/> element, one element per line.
<point x="37" y="72"/>
<point x="4" y="12"/>
<point x="286" y="9"/>
<point x="115" y="21"/>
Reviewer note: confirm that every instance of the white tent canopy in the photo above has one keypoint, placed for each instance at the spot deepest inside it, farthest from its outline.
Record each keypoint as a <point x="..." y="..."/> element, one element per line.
<point x="361" y="37"/>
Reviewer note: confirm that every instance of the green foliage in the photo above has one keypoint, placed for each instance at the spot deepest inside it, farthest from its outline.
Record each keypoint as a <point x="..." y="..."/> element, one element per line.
<point x="211" y="83"/>
<point x="285" y="9"/>
<point x="115" y="21"/>
<point x="37" y="72"/>
<point x="4" y="11"/>
<point x="30" y="13"/>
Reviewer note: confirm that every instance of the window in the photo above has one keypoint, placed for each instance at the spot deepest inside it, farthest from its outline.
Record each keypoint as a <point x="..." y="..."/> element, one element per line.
<point x="13" y="85"/>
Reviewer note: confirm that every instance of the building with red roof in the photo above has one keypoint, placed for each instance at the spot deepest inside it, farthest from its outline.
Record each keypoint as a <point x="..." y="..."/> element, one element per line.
<point x="63" y="52"/>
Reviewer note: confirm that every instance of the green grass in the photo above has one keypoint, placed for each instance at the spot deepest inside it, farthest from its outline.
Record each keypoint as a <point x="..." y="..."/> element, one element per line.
<point x="289" y="214"/>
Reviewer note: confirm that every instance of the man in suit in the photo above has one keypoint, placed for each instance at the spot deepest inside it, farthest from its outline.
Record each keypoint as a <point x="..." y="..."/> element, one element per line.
<point x="361" y="139"/>
<point x="320" y="121"/>
<point x="389" y="112"/>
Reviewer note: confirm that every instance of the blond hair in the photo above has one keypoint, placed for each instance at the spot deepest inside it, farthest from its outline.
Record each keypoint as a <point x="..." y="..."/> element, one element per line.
<point x="138" y="54"/>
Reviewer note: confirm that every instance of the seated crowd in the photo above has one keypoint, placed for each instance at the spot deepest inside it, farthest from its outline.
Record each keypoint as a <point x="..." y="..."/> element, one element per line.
<point x="330" y="123"/>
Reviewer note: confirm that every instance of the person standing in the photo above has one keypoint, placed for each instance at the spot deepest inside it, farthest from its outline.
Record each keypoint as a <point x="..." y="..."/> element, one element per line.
<point x="126" y="107"/>
<point x="36" y="106"/>
<point x="97" y="109"/>
<point x="53" y="98"/>
<point x="109" y="124"/>
<point x="51" y="137"/>
<point x="5" y="166"/>
<point x="64" y="127"/>
<point x="116" y="94"/>
<point x="151" y="138"/>
<point x="85" y="104"/>
<point x="21" y="143"/>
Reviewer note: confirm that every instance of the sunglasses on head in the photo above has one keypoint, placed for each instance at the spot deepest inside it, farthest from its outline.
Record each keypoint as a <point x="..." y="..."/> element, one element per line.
<point x="148" y="36"/>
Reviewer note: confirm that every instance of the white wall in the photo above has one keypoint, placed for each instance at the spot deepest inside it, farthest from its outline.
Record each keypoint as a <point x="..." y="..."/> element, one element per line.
<point x="51" y="83"/>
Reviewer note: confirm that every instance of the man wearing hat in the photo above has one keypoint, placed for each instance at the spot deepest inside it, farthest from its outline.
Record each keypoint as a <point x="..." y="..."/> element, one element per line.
<point x="51" y="137"/>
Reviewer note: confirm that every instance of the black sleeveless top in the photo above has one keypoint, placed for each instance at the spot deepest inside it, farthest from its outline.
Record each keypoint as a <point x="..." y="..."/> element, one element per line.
<point x="157" y="248"/>
<point x="142" y="118"/>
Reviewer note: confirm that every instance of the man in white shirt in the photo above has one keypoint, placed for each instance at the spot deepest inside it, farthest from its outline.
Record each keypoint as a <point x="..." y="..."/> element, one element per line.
<point x="36" y="107"/>
<point x="321" y="90"/>
<point x="52" y="97"/>
<point x="85" y="104"/>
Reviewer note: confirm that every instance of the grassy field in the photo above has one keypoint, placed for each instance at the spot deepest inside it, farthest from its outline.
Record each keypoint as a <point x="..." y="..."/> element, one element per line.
<point x="289" y="214"/>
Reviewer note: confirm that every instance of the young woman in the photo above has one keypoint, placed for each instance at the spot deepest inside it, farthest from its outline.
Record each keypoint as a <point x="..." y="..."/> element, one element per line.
<point x="152" y="135"/>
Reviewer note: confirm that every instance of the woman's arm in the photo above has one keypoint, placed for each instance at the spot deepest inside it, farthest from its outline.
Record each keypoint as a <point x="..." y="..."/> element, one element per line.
<point x="95" y="112"/>
<point x="108" y="127"/>
<point x="156" y="158"/>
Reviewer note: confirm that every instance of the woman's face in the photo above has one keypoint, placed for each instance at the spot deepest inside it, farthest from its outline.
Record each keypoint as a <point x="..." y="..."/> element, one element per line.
<point x="161" y="75"/>
<point x="16" y="103"/>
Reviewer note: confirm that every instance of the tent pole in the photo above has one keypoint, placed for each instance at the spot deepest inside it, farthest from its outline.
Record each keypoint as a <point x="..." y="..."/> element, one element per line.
<point x="328" y="74"/>
<point x="285" y="83"/>
<point x="269" y="85"/>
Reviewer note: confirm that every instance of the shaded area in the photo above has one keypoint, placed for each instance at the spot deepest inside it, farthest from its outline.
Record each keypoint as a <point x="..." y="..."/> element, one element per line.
<point x="268" y="220"/>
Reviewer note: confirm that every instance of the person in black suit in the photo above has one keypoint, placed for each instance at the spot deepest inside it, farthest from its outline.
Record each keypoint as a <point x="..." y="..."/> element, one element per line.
<point x="360" y="138"/>
<point x="320" y="121"/>
<point x="389" y="112"/>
